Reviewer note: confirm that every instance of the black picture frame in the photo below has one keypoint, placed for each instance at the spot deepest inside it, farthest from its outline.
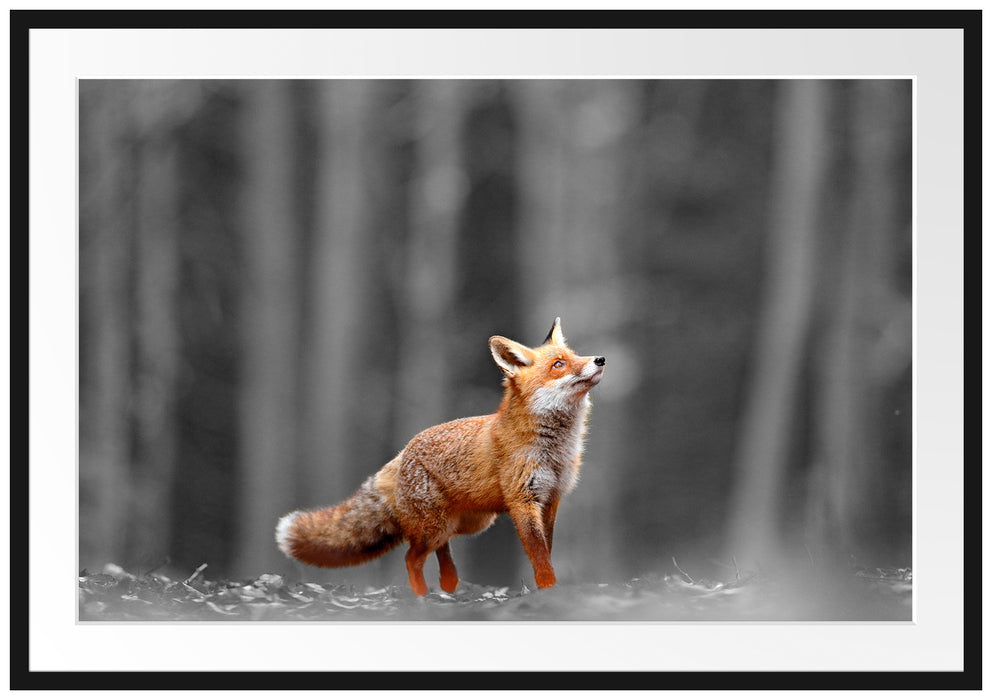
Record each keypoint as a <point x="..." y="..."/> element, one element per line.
<point x="22" y="22"/>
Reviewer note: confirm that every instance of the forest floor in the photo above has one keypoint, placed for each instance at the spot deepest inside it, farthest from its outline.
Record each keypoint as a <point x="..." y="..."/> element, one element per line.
<point x="867" y="594"/>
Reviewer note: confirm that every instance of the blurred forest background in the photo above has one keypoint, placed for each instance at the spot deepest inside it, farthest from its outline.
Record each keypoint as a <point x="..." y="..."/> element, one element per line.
<point x="281" y="282"/>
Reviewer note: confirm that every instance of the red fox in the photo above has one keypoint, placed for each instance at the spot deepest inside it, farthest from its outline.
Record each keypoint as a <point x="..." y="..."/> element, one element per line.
<point x="455" y="478"/>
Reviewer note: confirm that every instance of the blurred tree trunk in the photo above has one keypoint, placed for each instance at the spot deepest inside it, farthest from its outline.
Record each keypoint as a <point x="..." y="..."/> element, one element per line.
<point x="868" y="335"/>
<point x="339" y="317"/>
<point x="543" y="120"/>
<point x="156" y="266"/>
<point x="105" y="483"/>
<point x="572" y="162"/>
<point x="438" y="190"/>
<point x="595" y="299"/>
<point x="270" y="323"/>
<point x="769" y="420"/>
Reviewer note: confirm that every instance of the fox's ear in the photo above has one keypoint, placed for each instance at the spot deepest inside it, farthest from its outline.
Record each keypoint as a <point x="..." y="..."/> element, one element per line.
<point x="510" y="355"/>
<point x="555" y="336"/>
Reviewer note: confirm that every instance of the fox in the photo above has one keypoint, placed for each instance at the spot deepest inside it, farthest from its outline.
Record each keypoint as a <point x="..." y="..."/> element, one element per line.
<point x="456" y="478"/>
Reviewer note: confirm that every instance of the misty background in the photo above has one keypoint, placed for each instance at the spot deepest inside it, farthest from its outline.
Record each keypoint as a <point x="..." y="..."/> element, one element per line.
<point x="281" y="282"/>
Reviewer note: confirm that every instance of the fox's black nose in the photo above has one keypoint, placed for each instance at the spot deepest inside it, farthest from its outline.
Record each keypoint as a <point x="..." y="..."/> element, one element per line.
<point x="599" y="361"/>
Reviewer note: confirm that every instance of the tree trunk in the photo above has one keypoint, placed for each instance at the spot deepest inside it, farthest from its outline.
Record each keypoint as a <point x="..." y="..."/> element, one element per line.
<point x="543" y="159"/>
<point x="867" y="341"/>
<point x="573" y="159"/>
<point x="104" y="475"/>
<point x="339" y="317"/>
<point x="768" y="423"/>
<point x="270" y="327"/>
<point x="438" y="190"/>
<point x="156" y="343"/>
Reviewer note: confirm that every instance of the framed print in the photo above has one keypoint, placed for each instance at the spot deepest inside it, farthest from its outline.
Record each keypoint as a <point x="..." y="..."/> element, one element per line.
<point x="288" y="279"/>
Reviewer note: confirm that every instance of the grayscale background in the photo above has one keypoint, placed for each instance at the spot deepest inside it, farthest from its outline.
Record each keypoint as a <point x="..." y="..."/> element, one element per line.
<point x="281" y="282"/>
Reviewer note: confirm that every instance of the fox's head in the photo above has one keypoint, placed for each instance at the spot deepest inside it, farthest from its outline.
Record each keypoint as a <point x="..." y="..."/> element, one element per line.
<point x="550" y="377"/>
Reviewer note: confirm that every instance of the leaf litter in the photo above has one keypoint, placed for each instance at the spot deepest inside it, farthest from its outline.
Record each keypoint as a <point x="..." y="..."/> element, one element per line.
<point x="869" y="594"/>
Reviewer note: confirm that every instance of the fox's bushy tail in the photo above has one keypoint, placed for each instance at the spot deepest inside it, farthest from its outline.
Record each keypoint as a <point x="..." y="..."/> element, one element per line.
<point x="352" y="532"/>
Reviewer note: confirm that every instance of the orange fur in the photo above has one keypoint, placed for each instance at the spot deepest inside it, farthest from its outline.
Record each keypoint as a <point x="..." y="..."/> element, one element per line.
<point x="455" y="478"/>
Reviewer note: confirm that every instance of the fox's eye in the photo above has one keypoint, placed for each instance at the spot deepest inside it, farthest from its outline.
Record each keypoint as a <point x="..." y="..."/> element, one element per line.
<point x="558" y="364"/>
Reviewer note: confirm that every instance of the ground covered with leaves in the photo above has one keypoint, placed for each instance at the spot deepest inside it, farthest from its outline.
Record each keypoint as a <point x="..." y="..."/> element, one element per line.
<point x="867" y="594"/>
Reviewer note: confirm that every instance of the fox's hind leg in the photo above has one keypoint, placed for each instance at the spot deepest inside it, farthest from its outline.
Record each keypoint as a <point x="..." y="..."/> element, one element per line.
<point x="415" y="558"/>
<point x="420" y="549"/>
<point x="449" y="575"/>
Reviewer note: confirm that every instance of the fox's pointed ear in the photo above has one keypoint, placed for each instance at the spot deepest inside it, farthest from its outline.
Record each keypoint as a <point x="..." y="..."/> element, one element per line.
<point x="510" y="355"/>
<point x="555" y="336"/>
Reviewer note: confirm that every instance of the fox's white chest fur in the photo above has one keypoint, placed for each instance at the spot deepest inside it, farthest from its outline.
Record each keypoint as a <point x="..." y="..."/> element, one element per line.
<point x="557" y="448"/>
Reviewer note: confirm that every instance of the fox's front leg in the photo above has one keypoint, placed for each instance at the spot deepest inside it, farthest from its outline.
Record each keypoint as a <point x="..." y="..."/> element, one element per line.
<point x="530" y="527"/>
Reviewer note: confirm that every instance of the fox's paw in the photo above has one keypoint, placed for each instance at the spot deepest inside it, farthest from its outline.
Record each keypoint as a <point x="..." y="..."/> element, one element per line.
<point x="418" y="587"/>
<point x="544" y="579"/>
<point x="449" y="581"/>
